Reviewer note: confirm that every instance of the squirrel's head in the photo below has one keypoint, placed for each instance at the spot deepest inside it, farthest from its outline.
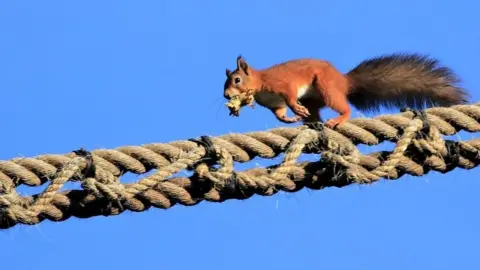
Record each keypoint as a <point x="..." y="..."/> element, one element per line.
<point x="240" y="80"/>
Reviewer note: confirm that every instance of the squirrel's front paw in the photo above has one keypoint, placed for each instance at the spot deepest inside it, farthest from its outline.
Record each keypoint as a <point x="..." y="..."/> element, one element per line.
<point x="291" y="120"/>
<point x="301" y="111"/>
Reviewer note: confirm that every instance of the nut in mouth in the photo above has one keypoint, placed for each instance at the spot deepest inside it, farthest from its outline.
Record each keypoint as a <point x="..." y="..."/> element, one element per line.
<point x="237" y="102"/>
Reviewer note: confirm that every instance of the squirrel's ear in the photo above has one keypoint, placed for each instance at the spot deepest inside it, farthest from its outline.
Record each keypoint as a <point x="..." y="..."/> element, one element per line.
<point x="228" y="72"/>
<point x="239" y="58"/>
<point x="242" y="65"/>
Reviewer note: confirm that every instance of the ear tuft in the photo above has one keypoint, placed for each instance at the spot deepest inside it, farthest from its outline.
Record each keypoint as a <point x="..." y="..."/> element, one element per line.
<point x="228" y="72"/>
<point x="239" y="60"/>
<point x="242" y="65"/>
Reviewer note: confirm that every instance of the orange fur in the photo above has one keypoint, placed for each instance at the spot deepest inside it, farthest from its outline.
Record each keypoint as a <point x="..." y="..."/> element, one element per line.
<point x="308" y="85"/>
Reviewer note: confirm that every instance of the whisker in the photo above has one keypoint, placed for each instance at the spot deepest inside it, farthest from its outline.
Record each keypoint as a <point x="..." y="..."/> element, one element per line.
<point x="214" y="101"/>
<point x="219" y="107"/>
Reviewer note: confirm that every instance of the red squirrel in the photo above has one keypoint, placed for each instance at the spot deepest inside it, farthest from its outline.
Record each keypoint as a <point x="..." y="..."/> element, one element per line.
<point x="308" y="85"/>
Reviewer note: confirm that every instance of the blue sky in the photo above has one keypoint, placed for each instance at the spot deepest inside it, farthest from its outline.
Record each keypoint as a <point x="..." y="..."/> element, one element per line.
<point x="103" y="74"/>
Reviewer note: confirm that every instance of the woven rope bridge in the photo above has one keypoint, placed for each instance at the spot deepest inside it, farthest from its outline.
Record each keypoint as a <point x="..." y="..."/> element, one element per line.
<point x="419" y="148"/>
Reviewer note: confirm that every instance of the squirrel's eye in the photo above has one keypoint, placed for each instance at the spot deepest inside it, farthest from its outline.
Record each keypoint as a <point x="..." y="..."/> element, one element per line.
<point x="237" y="80"/>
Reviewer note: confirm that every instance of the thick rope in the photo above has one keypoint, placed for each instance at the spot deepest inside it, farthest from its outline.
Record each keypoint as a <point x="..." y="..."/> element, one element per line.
<point x="190" y="191"/>
<point x="341" y="164"/>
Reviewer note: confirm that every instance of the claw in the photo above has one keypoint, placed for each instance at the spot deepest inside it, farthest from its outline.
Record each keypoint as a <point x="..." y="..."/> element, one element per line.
<point x="334" y="122"/>
<point x="301" y="111"/>
<point x="293" y="119"/>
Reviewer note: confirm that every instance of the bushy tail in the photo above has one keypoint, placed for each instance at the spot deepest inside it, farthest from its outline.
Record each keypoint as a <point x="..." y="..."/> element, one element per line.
<point x="403" y="80"/>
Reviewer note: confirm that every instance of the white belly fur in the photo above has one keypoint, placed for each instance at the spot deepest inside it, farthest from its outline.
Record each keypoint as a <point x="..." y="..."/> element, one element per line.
<point x="305" y="91"/>
<point x="272" y="100"/>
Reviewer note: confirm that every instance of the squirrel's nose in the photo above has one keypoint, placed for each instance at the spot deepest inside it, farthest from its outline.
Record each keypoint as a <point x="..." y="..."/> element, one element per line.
<point x="226" y="95"/>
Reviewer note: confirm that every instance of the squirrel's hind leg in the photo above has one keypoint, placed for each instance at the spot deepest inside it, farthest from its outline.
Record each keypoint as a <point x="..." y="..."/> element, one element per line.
<point x="338" y="102"/>
<point x="334" y="94"/>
